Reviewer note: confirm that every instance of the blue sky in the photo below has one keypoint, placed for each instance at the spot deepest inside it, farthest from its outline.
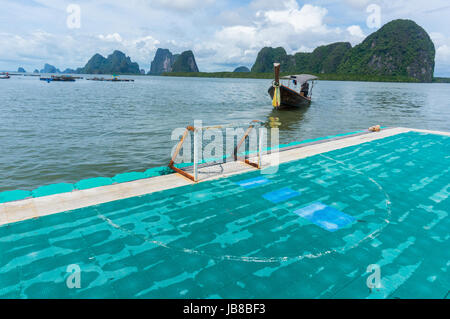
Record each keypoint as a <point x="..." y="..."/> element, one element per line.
<point x="222" y="34"/>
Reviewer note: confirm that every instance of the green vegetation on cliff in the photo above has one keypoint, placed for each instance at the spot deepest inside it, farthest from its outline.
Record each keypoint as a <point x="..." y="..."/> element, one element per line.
<point x="164" y="61"/>
<point x="115" y="63"/>
<point x="324" y="59"/>
<point x="327" y="58"/>
<point x="267" y="56"/>
<point x="441" y="80"/>
<point x="185" y="63"/>
<point x="400" y="49"/>
<point x="241" y="69"/>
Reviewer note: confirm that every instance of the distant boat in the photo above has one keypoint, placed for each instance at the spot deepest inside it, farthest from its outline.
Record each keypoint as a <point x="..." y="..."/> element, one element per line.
<point x="115" y="78"/>
<point x="62" y="78"/>
<point x="285" y="96"/>
<point x="5" y="76"/>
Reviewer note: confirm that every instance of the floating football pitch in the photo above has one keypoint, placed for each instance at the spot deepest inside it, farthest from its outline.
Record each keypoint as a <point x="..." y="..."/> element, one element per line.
<point x="310" y="230"/>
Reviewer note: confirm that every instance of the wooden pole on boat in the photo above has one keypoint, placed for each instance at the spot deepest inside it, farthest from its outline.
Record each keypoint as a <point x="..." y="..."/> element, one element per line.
<point x="276" y="69"/>
<point x="276" y="86"/>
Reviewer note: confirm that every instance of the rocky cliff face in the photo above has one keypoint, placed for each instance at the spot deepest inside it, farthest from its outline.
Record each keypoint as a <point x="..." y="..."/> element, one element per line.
<point x="162" y="62"/>
<point x="399" y="48"/>
<point x="115" y="63"/>
<point x="165" y="61"/>
<point x="185" y="62"/>
<point x="48" y="68"/>
<point x="69" y="71"/>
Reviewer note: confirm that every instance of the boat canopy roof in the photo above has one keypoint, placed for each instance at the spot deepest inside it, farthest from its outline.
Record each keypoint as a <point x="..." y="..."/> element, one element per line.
<point x="302" y="78"/>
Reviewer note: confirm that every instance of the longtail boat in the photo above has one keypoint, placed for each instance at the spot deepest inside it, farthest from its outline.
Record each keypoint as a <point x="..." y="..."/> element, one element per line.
<point x="283" y="95"/>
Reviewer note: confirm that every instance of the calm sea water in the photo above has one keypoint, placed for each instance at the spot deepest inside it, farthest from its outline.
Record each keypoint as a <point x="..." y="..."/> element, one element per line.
<point x="64" y="132"/>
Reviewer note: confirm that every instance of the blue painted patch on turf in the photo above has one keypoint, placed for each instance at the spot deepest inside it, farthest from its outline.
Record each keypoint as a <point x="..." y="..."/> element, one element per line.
<point x="253" y="182"/>
<point x="324" y="216"/>
<point x="280" y="195"/>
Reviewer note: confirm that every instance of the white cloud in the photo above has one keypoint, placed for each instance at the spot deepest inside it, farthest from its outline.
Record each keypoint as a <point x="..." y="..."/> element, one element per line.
<point x="139" y="49"/>
<point x="442" y="46"/>
<point x="307" y="18"/>
<point x="221" y="33"/>
<point x="34" y="49"/>
<point x="442" y="60"/>
<point x="355" y="31"/>
<point x="240" y="36"/>
<point x="443" y="53"/>
<point x="293" y="27"/>
<point x="115" y="37"/>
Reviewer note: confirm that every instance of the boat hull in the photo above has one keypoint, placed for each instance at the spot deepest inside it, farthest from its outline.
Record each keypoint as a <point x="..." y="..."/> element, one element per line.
<point x="64" y="80"/>
<point x="290" y="98"/>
